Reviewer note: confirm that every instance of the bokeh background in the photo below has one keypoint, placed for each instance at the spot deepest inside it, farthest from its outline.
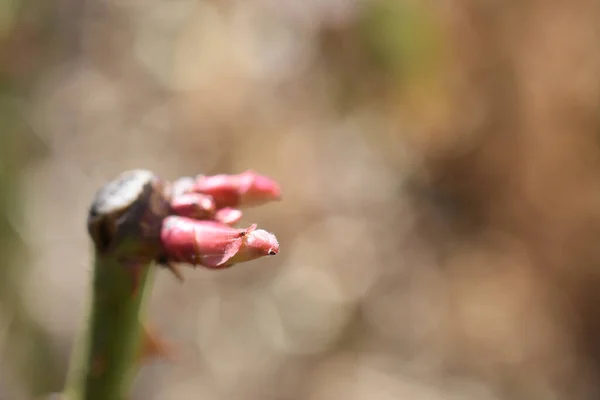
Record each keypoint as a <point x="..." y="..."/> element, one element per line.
<point x="440" y="166"/>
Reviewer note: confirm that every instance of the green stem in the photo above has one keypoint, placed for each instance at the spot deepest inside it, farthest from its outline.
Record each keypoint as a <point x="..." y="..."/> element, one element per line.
<point x="105" y="362"/>
<point x="124" y="223"/>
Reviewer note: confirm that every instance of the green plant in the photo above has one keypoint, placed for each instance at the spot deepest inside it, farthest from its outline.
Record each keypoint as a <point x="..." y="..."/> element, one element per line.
<point x="139" y="220"/>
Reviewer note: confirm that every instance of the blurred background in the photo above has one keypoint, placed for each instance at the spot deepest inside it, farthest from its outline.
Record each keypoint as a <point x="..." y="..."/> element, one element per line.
<point x="440" y="166"/>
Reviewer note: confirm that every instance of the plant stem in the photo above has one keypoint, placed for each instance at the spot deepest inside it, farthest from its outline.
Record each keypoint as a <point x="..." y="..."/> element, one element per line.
<point x="104" y="364"/>
<point x="124" y="223"/>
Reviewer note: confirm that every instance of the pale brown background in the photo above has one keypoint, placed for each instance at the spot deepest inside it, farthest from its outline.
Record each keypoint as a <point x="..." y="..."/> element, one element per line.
<point x="440" y="165"/>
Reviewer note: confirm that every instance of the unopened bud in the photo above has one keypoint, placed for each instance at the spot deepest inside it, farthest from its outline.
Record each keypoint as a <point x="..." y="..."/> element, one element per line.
<point x="193" y="205"/>
<point x="213" y="244"/>
<point x="241" y="190"/>
<point x="257" y="243"/>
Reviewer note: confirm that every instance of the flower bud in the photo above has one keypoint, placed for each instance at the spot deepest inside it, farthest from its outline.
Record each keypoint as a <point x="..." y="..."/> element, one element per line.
<point x="193" y="205"/>
<point x="257" y="243"/>
<point x="257" y="189"/>
<point x="242" y="190"/>
<point x="213" y="244"/>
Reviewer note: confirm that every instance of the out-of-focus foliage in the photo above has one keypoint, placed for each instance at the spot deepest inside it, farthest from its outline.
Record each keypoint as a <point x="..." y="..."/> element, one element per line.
<point x="439" y="162"/>
<point x="25" y="350"/>
<point x="401" y="36"/>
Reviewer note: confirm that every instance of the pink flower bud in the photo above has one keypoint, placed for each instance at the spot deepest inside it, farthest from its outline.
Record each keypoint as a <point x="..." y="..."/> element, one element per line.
<point x="245" y="189"/>
<point x="213" y="244"/>
<point x="257" y="243"/>
<point x="228" y="216"/>
<point x="257" y="189"/>
<point x="193" y="205"/>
